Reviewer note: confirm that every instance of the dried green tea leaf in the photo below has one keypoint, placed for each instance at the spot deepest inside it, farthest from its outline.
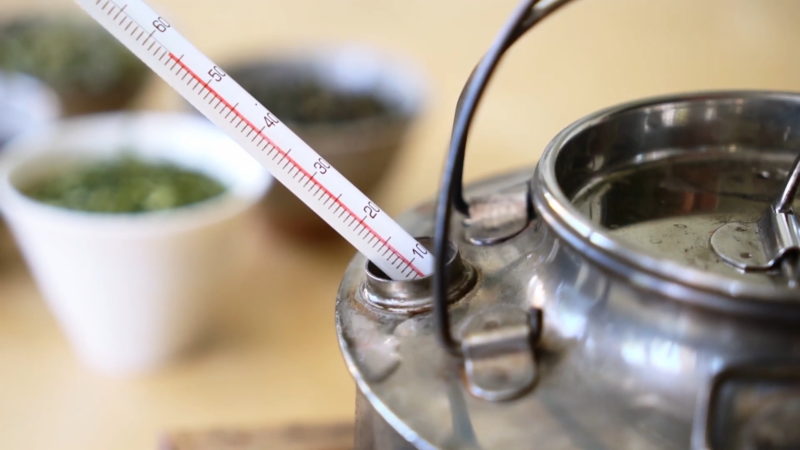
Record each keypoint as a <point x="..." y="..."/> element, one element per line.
<point x="68" y="54"/>
<point x="305" y="101"/>
<point x="125" y="185"/>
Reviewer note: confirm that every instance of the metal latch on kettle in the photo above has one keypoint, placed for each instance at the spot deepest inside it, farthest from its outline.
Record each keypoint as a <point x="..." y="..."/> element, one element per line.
<point x="772" y="243"/>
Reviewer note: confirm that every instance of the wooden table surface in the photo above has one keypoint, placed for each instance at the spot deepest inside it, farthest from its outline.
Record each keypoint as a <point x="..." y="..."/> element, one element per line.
<point x="275" y="359"/>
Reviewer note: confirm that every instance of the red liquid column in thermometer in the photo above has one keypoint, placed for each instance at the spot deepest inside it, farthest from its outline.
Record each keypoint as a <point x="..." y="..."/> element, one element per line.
<point x="290" y="160"/>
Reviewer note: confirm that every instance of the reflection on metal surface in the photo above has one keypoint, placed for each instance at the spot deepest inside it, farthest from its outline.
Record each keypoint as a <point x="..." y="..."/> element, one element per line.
<point x="779" y="231"/>
<point x="662" y="355"/>
<point x="463" y="435"/>
<point x="376" y="352"/>
<point x="776" y="426"/>
<point x="753" y="405"/>
<point x="738" y="244"/>
<point x="780" y="234"/>
<point x="789" y="192"/>
<point x="497" y="217"/>
<point x="498" y="348"/>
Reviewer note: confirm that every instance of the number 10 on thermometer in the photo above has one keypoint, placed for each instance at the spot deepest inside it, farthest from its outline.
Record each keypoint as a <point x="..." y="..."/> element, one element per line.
<point x="290" y="160"/>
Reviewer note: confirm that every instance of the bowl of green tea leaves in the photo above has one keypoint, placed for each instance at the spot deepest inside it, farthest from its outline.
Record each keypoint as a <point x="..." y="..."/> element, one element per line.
<point x="88" y="68"/>
<point x="125" y="185"/>
<point x="133" y="224"/>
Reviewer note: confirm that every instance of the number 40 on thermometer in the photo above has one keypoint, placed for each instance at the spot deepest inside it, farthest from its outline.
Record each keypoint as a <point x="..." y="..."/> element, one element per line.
<point x="290" y="160"/>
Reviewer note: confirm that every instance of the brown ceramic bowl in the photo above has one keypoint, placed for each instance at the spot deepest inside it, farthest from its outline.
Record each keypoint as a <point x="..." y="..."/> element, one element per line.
<point x="352" y="105"/>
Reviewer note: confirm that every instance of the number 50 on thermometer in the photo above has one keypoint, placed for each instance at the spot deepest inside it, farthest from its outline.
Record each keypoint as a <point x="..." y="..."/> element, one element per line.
<point x="290" y="160"/>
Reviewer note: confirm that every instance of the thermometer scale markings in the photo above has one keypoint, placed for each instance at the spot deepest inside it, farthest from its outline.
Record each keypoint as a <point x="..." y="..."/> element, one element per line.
<point x="162" y="58"/>
<point x="274" y="150"/>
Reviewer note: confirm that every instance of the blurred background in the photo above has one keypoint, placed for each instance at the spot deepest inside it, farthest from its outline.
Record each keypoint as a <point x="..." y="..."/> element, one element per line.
<point x="271" y="357"/>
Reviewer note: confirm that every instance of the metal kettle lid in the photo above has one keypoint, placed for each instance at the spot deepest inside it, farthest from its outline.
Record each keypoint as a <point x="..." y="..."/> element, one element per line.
<point x="672" y="158"/>
<point x="677" y="193"/>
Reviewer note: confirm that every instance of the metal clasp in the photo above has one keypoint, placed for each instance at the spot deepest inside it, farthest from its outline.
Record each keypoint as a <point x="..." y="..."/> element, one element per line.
<point x="496" y="218"/>
<point x="770" y="244"/>
<point x="780" y="235"/>
<point x="499" y="352"/>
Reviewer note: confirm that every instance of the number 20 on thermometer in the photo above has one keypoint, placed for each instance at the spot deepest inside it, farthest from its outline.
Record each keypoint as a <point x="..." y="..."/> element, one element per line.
<point x="290" y="160"/>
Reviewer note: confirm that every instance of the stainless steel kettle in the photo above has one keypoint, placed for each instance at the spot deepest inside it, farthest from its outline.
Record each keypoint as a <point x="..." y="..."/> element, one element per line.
<point x="637" y="289"/>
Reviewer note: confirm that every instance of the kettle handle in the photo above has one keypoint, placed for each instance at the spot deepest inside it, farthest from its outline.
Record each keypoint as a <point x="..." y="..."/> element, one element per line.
<point x="527" y="14"/>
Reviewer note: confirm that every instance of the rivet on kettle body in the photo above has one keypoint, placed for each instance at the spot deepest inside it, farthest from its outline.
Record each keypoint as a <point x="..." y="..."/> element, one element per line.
<point x="416" y="296"/>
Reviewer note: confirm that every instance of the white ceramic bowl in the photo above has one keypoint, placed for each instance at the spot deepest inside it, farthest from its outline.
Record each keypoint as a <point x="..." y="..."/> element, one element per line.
<point x="25" y="104"/>
<point x="131" y="291"/>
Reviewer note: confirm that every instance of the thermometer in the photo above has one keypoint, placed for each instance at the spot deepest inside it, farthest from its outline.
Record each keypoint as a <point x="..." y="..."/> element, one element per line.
<point x="290" y="160"/>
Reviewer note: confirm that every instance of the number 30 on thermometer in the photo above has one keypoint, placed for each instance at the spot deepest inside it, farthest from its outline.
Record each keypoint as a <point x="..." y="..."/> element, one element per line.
<point x="290" y="160"/>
